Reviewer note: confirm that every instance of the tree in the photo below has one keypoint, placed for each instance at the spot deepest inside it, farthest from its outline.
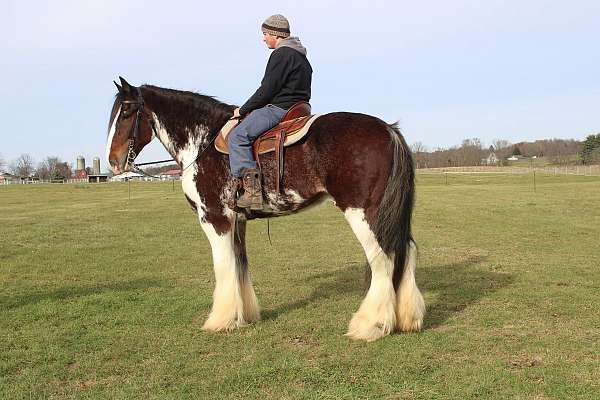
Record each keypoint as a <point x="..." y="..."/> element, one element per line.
<point x="47" y="168"/>
<point x="500" y="144"/>
<point x="590" y="149"/>
<point x="63" y="170"/>
<point x="419" y="152"/>
<point x="516" y="151"/>
<point x="22" y="166"/>
<point x="2" y="163"/>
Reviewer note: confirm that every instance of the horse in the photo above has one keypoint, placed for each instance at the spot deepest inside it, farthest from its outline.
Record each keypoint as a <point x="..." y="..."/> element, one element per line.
<point x="359" y="161"/>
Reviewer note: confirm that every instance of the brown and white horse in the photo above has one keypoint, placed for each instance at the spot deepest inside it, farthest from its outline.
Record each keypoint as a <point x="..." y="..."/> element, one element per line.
<point x="357" y="160"/>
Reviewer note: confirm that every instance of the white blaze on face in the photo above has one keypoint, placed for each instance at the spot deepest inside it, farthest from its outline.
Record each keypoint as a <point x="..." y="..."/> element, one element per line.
<point x="111" y="134"/>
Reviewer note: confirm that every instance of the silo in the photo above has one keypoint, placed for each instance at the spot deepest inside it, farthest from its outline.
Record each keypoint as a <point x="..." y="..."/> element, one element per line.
<point x="96" y="165"/>
<point x="80" y="163"/>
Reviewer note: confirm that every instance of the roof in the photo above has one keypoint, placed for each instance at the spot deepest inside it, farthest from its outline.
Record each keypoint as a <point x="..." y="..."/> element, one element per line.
<point x="172" y="172"/>
<point x="126" y="175"/>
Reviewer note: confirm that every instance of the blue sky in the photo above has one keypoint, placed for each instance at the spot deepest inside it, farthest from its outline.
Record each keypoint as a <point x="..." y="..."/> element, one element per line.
<point x="447" y="70"/>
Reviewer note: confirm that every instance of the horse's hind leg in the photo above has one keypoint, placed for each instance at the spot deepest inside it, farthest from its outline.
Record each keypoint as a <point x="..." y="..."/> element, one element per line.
<point x="250" y="303"/>
<point x="376" y="316"/>
<point x="410" y="307"/>
<point x="234" y="302"/>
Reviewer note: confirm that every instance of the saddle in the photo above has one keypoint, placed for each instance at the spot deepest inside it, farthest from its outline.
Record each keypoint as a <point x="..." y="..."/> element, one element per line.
<point x="293" y="126"/>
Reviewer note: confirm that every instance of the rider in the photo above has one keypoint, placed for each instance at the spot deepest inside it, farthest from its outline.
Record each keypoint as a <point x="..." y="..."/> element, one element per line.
<point x="286" y="81"/>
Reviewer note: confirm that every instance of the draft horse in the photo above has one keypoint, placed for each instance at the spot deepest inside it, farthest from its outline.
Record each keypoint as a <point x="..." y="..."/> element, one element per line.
<point x="360" y="162"/>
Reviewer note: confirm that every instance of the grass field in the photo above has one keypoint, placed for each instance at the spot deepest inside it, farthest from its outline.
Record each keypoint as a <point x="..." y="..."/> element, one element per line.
<point x="103" y="297"/>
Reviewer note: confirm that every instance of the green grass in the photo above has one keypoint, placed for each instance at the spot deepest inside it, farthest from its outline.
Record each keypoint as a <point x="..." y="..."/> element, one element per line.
<point x="571" y="159"/>
<point x="103" y="297"/>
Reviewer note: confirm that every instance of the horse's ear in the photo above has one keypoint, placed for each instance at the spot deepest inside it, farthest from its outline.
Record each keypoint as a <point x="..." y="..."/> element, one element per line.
<point x="119" y="88"/>
<point x="126" y="86"/>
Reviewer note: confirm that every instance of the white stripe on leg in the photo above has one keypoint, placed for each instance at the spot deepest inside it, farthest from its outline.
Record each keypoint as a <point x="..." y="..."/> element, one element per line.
<point x="228" y="310"/>
<point x="376" y="316"/>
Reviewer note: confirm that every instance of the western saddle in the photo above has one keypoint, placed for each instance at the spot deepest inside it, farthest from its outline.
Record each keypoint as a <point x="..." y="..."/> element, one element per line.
<point x="292" y="127"/>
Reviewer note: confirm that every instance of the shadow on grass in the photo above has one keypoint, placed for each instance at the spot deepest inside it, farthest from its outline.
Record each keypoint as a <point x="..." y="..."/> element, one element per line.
<point x="68" y="292"/>
<point x="457" y="285"/>
<point x="346" y="280"/>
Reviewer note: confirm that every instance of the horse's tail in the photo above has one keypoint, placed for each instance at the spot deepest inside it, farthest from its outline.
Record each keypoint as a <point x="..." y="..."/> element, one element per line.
<point x="392" y="221"/>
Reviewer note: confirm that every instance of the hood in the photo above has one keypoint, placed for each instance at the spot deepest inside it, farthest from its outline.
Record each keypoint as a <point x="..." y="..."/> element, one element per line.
<point x="294" y="43"/>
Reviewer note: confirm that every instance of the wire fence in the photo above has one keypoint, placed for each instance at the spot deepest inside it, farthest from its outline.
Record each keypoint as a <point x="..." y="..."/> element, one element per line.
<point x="83" y="180"/>
<point x="583" y="170"/>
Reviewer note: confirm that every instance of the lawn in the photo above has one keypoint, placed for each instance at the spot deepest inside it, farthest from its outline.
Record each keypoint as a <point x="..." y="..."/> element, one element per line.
<point x="104" y="297"/>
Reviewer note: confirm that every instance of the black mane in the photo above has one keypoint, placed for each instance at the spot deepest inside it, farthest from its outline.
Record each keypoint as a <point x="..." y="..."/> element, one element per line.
<point x="180" y="111"/>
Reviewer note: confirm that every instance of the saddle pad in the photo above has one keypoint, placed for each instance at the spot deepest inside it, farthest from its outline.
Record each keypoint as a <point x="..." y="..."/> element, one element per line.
<point x="298" y="129"/>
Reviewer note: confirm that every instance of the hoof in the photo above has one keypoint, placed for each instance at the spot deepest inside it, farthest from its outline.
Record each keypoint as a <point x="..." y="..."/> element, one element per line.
<point x="362" y="328"/>
<point x="216" y="324"/>
<point x="414" y="325"/>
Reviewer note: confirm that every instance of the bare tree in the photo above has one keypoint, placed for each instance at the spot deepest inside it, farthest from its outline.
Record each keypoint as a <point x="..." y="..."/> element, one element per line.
<point x="418" y="147"/>
<point x="419" y="151"/>
<point x="53" y="168"/>
<point x="2" y="163"/>
<point x="22" y="166"/>
<point x="500" y="144"/>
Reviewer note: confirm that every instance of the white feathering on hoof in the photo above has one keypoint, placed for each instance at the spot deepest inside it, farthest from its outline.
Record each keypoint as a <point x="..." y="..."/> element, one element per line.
<point x="410" y="306"/>
<point x="376" y="316"/>
<point x="228" y="308"/>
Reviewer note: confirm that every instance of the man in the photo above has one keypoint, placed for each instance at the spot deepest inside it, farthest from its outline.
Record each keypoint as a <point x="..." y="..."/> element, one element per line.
<point x="286" y="81"/>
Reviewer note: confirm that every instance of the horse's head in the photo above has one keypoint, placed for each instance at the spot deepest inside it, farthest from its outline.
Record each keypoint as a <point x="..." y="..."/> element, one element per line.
<point x="129" y="128"/>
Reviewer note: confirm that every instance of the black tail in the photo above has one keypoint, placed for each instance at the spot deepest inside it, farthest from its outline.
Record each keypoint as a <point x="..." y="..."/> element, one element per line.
<point x="392" y="222"/>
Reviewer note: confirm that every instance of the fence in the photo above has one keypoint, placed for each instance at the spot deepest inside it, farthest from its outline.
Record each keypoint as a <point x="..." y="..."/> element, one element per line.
<point x="85" y="180"/>
<point x="584" y="170"/>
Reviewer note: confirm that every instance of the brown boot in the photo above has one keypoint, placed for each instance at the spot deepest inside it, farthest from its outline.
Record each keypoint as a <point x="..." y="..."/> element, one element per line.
<point x="233" y="187"/>
<point x="252" y="197"/>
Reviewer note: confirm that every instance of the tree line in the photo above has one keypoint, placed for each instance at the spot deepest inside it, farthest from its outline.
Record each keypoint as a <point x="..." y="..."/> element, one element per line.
<point x="472" y="152"/>
<point x="51" y="168"/>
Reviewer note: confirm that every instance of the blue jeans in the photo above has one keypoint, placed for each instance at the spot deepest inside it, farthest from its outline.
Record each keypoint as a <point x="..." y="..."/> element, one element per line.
<point x="240" y="139"/>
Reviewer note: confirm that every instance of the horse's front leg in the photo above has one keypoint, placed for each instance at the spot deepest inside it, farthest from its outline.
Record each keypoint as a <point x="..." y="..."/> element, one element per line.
<point x="234" y="301"/>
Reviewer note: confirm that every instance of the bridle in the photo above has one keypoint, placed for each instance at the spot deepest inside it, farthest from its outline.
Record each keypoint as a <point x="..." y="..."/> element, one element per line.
<point x="133" y="135"/>
<point x="133" y="132"/>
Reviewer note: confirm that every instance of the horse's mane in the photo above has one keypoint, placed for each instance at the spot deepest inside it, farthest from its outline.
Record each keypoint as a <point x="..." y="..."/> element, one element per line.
<point x="203" y="105"/>
<point x="182" y="111"/>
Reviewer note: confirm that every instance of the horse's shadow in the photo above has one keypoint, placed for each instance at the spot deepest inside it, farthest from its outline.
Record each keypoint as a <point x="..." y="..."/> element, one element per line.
<point x="70" y="292"/>
<point x="343" y="281"/>
<point x="455" y="287"/>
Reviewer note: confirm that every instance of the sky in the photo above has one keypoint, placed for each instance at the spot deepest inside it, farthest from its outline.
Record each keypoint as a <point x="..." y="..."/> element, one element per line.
<point x="446" y="70"/>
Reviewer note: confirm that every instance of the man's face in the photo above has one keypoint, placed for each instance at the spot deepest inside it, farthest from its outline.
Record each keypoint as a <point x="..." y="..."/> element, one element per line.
<point x="270" y="40"/>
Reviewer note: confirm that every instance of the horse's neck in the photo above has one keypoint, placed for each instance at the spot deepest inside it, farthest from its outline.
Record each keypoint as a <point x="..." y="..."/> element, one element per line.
<point x="183" y="144"/>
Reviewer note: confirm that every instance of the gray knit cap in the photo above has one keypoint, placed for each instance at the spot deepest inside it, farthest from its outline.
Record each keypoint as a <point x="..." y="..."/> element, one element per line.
<point x="276" y="25"/>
